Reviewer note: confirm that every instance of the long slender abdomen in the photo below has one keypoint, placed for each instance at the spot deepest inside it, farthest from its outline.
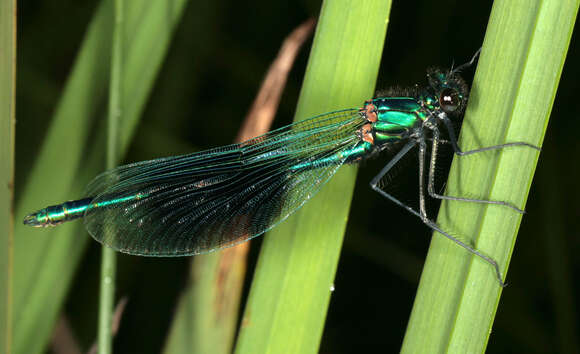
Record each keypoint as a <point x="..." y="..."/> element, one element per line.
<point x="57" y="214"/>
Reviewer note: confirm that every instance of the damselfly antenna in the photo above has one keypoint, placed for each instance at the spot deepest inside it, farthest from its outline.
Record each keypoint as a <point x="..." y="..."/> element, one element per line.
<point x="458" y="69"/>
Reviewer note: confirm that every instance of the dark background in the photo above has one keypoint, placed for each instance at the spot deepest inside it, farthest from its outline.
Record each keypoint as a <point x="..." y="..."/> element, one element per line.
<point x="217" y="60"/>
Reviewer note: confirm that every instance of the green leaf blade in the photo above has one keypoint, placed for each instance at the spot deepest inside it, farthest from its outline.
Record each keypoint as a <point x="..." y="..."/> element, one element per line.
<point x="7" y="150"/>
<point x="511" y="99"/>
<point x="295" y="273"/>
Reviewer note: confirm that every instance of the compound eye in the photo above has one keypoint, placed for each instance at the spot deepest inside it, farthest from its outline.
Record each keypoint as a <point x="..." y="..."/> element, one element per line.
<point x="449" y="100"/>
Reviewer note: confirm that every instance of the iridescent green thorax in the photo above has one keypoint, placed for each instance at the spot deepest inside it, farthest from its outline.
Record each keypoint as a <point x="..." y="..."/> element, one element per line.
<point x="395" y="117"/>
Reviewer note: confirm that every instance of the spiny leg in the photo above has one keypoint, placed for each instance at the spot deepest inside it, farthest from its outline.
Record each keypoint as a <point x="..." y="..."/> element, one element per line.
<point x="431" y="224"/>
<point x="422" y="208"/>
<point x="431" y="182"/>
<point x="459" y="152"/>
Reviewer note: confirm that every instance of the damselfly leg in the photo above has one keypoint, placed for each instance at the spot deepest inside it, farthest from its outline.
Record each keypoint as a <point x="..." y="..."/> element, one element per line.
<point x="421" y="140"/>
<point x="457" y="151"/>
<point x="423" y="216"/>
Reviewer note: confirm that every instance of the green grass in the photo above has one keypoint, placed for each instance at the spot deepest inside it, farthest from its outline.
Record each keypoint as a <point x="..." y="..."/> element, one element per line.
<point x="291" y="289"/>
<point x="114" y="119"/>
<point x="45" y="260"/>
<point x="7" y="130"/>
<point x="511" y="99"/>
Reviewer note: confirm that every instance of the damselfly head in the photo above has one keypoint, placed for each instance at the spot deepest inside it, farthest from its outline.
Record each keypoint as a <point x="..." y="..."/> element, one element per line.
<point x="449" y="89"/>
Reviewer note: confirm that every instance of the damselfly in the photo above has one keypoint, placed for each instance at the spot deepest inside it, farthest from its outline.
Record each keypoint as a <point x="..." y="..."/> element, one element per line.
<point x="205" y="201"/>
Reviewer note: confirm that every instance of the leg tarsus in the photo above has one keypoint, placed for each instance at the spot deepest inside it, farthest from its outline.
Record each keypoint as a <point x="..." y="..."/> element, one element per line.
<point x="459" y="152"/>
<point x="496" y="147"/>
<point x="481" y="201"/>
